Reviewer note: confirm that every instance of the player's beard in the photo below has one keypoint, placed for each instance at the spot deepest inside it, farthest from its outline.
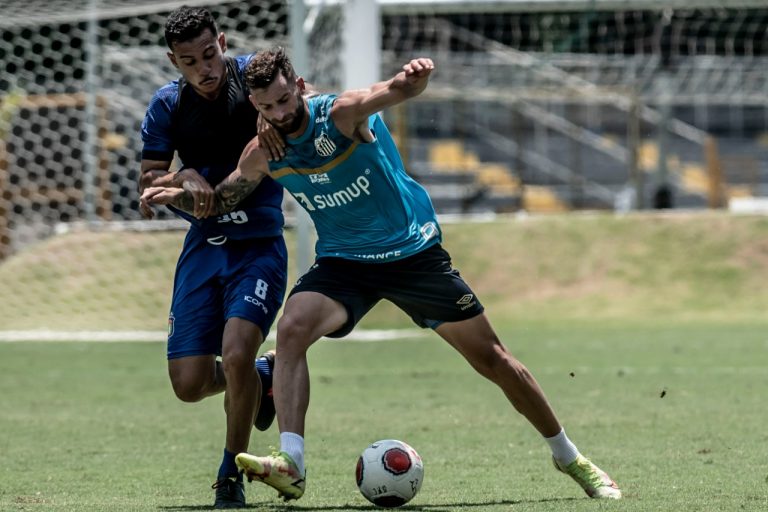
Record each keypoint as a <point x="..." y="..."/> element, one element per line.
<point x="293" y="125"/>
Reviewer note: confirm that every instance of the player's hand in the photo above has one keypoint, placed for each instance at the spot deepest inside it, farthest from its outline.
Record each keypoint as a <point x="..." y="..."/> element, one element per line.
<point x="270" y="140"/>
<point x="144" y="207"/>
<point x="418" y="70"/>
<point x="202" y="192"/>
<point x="157" y="196"/>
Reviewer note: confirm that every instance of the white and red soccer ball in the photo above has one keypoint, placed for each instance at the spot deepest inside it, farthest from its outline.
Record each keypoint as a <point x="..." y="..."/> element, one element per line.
<point x="389" y="473"/>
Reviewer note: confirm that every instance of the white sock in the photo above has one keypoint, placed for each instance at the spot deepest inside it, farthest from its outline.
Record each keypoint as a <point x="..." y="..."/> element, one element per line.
<point x="293" y="445"/>
<point x="562" y="448"/>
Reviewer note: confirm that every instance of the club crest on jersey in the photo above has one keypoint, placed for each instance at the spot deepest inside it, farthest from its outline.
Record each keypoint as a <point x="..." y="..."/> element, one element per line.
<point x="324" y="145"/>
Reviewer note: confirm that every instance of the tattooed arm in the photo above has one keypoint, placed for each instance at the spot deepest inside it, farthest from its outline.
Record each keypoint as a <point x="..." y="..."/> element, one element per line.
<point x="251" y="169"/>
<point x="227" y="195"/>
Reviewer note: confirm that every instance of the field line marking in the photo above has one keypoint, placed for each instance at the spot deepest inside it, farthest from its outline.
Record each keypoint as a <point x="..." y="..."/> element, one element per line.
<point x="160" y="336"/>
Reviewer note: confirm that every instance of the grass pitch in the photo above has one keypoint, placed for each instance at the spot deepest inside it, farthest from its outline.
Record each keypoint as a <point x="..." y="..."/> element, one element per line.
<point x="645" y="266"/>
<point x="676" y="413"/>
<point x="648" y="334"/>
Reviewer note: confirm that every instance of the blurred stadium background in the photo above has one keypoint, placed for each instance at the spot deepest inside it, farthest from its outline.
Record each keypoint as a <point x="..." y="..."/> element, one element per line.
<point x="537" y="105"/>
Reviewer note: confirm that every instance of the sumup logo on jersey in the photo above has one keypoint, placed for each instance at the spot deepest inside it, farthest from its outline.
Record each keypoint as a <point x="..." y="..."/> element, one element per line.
<point x="338" y="198"/>
<point x="324" y="145"/>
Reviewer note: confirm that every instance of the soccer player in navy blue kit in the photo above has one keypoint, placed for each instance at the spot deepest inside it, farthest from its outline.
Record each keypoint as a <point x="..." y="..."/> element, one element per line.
<point x="231" y="275"/>
<point x="378" y="238"/>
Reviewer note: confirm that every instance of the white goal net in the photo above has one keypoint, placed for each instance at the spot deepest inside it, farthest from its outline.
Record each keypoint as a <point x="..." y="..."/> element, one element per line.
<point x="77" y="76"/>
<point x="76" y="79"/>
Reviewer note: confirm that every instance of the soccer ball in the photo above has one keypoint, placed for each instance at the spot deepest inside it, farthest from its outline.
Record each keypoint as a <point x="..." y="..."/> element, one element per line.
<point x="389" y="473"/>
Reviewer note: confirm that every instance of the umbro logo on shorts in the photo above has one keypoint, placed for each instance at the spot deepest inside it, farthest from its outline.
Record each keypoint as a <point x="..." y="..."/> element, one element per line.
<point x="466" y="302"/>
<point x="465" y="299"/>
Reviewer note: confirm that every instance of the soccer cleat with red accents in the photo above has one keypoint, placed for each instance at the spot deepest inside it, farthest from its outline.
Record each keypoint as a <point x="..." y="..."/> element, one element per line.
<point x="277" y="470"/>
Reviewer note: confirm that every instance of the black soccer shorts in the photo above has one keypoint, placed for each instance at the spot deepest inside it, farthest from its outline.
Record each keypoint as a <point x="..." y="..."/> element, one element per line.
<point x="424" y="285"/>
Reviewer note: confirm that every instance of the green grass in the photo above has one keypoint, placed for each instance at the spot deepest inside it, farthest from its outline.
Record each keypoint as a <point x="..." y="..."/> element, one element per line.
<point x="610" y="313"/>
<point x="644" y="267"/>
<point x="89" y="426"/>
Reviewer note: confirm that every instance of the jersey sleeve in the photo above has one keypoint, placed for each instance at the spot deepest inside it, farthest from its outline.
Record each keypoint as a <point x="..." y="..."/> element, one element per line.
<point x="156" y="127"/>
<point x="242" y="61"/>
<point x="373" y="120"/>
<point x="321" y="106"/>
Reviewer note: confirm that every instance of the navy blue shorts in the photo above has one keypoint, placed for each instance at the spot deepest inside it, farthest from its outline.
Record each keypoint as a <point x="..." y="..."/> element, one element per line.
<point x="424" y="285"/>
<point x="236" y="279"/>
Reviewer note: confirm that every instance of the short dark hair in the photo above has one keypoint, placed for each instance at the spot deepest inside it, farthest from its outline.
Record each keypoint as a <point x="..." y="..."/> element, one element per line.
<point x="187" y="23"/>
<point x="264" y="67"/>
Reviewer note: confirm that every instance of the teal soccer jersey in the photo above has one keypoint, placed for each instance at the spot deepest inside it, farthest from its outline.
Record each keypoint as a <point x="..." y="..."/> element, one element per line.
<point x="363" y="204"/>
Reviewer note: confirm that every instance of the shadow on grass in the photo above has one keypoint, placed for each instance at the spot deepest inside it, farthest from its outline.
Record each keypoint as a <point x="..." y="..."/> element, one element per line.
<point x="443" y="507"/>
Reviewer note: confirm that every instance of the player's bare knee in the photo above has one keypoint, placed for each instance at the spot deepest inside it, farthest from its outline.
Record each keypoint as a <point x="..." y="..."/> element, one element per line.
<point x="236" y="363"/>
<point x="493" y="361"/>
<point x="511" y="371"/>
<point x="188" y="390"/>
<point x="292" y="335"/>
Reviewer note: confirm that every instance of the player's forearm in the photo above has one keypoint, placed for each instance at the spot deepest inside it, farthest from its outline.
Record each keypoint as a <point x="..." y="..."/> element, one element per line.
<point x="399" y="85"/>
<point x="413" y="79"/>
<point x="186" y="203"/>
<point x="232" y="191"/>
<point x="388" y="93"/>
<point x="153" y="178"/>
<point x="159" y="178"/>
<point x="227" y="195"/>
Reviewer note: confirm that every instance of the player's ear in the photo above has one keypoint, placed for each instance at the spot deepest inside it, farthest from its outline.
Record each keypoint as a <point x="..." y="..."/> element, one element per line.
<point x="222" y="42"/>
<point x="253" y="101"/>
<point x="172" y="58"/>
<point x="300" y="84"/>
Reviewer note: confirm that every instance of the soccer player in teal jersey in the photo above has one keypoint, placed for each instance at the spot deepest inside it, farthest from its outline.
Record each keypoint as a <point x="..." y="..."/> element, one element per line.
<point x="378" y="238"/>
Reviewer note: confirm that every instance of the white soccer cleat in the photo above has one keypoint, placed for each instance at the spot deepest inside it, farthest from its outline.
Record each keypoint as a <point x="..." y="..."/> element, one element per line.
<point x="277" y="470"/>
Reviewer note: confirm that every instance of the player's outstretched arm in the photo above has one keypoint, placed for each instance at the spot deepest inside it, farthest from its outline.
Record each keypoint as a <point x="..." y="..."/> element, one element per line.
<point x="355" y="106"/>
